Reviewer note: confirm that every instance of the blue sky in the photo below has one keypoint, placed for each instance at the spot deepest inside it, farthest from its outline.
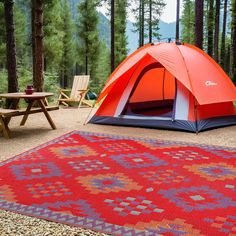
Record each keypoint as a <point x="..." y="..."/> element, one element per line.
<point x="169" y="13"/>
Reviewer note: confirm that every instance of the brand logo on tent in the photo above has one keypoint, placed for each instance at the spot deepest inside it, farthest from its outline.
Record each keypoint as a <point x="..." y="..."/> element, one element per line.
<point x="210" y="83"/>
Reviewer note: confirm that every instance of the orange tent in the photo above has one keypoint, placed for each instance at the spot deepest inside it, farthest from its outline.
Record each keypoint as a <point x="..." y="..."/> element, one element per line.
<point x="168" y="85"/>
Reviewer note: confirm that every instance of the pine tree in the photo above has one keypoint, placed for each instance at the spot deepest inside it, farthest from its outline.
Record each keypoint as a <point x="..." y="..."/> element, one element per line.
<point x="67" y="50"/>
<point x="138" y="11"/>
<point x="199" y="23"/>
<point x="150" y="21"/>
<point x="37" y="29"/>
<point x="223" y="35"/>
<point x="210" y="26"/>
<point x="217" y="29"/>
<point x="10" y="47"/>
<point x="120" y="31"/>
<point x="147" y="19"/>
<point x="53" y="34"/>
<point x="37" y="42"/>
<point x="112" y="20"/>
<point x="233" y="33"/>
<point x="177" y="21"/>
<point x="89" y="42"/>
<point x="2" y="38"/>
<point x="142" y="22"/>
<point x="157" y="8"/>
<point x="187" y="21"/>
<point x="102" y="70"/>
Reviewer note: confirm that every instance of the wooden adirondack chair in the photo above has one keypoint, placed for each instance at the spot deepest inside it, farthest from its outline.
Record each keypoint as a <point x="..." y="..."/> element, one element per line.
<point x="77" y="93"/>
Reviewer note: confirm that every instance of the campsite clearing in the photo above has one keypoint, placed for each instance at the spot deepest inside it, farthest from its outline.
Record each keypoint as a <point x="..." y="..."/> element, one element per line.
<point x="37" y="132"/>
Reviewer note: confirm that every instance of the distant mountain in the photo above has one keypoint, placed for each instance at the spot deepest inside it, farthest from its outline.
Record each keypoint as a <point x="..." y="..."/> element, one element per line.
<point x="104" y="24"/>
<point x="167" y="30"/>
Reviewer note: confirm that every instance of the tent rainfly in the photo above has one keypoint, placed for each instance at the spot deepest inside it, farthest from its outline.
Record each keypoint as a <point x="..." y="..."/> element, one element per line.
<point x="169" y="86"/>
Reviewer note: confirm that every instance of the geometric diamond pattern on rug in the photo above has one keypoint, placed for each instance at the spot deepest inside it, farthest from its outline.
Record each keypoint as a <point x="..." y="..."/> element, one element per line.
<point x="197" y="198"/>
<point x="125" y="185"/>
<point x="139" y="160"/>
<point x="164" y="176"/>
<point x="35" y="171"/>
<point x="154" y="145"/>
<point x="73" y="151"/>
<point x="88" y="165"/>
<point x="48" y="189"/>
<point x="134" y="206"/>
<point x="107" y="183"/>
<point x="225" y="224"/>
<point x="186" y="155"/>
<point x="68" y="140"/>
<point x="117" y="147"/>
<point x="214" y="171"/>
<point x="225" y="154"/>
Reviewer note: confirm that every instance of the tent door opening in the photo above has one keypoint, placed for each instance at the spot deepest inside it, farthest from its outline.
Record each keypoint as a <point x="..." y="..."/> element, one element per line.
<point x="153" y="94"/>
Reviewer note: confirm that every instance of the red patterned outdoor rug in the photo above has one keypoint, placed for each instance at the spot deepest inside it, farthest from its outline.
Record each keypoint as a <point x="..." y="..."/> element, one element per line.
<point x="125" y="186"/>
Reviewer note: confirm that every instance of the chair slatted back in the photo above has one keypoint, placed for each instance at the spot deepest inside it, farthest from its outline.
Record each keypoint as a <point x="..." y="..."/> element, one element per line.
<point x="80" y="82"/>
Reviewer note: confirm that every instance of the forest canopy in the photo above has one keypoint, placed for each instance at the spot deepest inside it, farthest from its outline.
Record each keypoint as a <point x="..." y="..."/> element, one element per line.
<point x="46" y="42"/>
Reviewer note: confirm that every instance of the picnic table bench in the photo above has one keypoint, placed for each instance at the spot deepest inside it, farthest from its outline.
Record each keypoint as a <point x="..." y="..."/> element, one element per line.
<point x="7" y="114"/>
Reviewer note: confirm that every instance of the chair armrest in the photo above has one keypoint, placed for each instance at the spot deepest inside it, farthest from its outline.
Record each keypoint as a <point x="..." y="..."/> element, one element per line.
<point x="62" y="89"/>
<point x="65" y="90"/>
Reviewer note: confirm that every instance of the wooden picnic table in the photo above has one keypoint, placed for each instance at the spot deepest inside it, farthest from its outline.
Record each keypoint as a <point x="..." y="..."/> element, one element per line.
<point x="32" y="99"/>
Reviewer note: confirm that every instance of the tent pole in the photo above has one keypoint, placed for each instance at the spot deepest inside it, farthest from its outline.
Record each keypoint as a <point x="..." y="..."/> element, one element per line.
<point x="195" y="114"/>
<point x="163" y="84"/>
<point x="87" y="118"/>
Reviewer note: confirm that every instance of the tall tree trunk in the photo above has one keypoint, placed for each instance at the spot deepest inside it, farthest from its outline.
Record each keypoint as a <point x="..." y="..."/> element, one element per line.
<point x="112" y="35"/>
<point x="33" y="37"/>
<point x="210" y="24"/>
<point x="11" y="48"/>
<point x="62" y="78"/>
<point x="177" y="21"/>
<point x="233" y="30"/>
<point x="150" y="21"/>
<point x="142" y="24"/>
<point x="38" y="39"/>
<point x="199" y="23"/>
<point x="223" y="49"/>
<point x="227" y="59"/>
<point x="216" y="35"/>
<point x="86" y="45"/>
<point x="86" y="63"/>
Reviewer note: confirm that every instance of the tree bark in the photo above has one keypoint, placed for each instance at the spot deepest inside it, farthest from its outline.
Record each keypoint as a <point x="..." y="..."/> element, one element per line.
<point x="33" y="37"/>
<point x="150" y="21"/>
<point x="223" y="49"/>
<point x="86" y="45"/>
<point x="233" y="30"/>
<point x="216" y="35"/>
<point x="199" y="23"/>
<point x="177" y="21"/>
<point x="11" y="48"/>
<point x="112" y="35"/>
<point x="142" y="24"/>
<point x="210" y="32"/>
<point x="227" y="59"/>
<point x="38" y="39"/>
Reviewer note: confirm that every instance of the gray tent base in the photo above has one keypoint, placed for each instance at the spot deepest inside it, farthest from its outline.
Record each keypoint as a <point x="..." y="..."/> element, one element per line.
<point x="166" y="123"/>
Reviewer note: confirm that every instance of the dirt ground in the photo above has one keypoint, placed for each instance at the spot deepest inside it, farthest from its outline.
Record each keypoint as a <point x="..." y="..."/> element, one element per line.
<point x="37" y="131"/>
